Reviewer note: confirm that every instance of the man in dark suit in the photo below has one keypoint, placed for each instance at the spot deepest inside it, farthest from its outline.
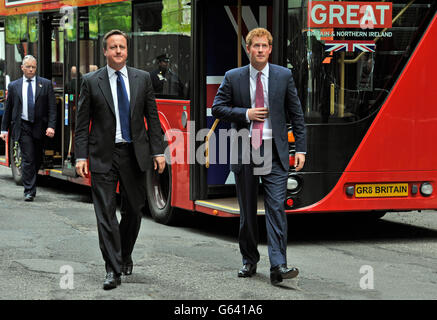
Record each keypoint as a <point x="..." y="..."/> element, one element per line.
<point x="256" y="100"/>
<point x="164" y="80"/>
<point x="30" y="114"/>
<point x="115" y="99"/>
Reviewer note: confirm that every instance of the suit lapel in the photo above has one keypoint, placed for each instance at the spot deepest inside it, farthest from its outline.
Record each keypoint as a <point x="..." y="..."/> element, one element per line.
<point x="38" y="88"/>
<point x="245" y="87"/>
<point x="20" y="90"/>
<point x="272" y="87"/>
<point x="105" y="87"/>
<point x="133" y="88"/>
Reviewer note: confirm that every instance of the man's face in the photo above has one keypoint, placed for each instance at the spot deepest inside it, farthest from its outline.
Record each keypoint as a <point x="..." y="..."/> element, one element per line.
<point x="259" y="51"/>
<point x="29" y="68"/>
<point x="163" y="65"/>
<point x="116" y="51"/>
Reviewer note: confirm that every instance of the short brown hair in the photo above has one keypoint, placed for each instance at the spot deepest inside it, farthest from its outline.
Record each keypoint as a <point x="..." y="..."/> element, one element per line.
<point x="258" y="32"/>
<point x="114" y="32"/>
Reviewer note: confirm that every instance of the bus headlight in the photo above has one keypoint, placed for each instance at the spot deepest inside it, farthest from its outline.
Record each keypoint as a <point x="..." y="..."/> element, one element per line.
<point x="426" y="189"/>
<point x="292" y="184"/>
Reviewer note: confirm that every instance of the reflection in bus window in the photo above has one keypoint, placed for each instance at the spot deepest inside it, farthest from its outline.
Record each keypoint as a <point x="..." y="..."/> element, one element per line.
<point x="15" y="44"/>
<point x="2" y="68"/>
<point x="57" y="56"/>
<point x="161" y="45"/>
<point x="164" y="79"/>
<point x="343" y="74"/>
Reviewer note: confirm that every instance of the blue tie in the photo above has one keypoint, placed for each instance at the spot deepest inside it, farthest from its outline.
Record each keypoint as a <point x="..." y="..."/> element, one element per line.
<point x="123" y="107"/>
<point x="30" y="102"/>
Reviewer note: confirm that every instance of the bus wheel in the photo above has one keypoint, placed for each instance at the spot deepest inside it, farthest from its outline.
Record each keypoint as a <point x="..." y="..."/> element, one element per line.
<point x="15" y="160"/>
<point x="158" y="192"/>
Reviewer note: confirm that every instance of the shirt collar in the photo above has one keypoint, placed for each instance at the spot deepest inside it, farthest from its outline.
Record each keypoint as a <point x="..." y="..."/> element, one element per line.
<point x="254" y="72"/>
<point x="112" y="71"/>
<point x="32" y="79"/>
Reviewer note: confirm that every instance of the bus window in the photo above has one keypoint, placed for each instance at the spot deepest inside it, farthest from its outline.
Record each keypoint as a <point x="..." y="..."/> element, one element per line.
<point x="19" y="42"/>
<point x="344" y="72"/>
<point x="2" y="68"/>
<point x="2" y="83"/>
<point x="161" y="45"/>
<point x="15" y="44"/>
<point x="95" y="22"/>
<point x="57" y="48"/>
<point x="33" y="27"/>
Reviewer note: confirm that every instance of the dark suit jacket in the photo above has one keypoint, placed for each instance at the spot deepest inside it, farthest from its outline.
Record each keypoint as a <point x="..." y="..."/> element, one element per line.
<point x="96" y="105"/>
<point x="45" y="108"/>
<point x="233" y="100"/>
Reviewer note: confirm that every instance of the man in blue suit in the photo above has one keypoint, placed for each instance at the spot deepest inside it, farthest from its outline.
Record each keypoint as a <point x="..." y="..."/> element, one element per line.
<point x="257" y="99"/>
<point x="30" y="114"/>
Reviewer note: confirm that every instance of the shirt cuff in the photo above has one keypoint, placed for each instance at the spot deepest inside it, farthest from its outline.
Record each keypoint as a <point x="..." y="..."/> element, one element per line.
<point x="247" y="115"/>
<point x="2" y="132"/>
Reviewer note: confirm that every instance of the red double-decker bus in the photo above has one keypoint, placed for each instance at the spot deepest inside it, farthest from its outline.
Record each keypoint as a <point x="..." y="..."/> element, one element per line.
<point x="364" y="72"/>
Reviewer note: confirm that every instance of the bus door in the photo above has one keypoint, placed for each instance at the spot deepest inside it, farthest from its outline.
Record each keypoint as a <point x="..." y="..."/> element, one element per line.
<point x="50" y="65"/>
<point x="220" y="47"/>
<point x="83" y="30"/>
<point x="2" y="86"/>
<point x="71" y="86"/>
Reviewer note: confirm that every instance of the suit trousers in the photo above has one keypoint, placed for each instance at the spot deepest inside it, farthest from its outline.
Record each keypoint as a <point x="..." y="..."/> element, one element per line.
<point x="116" y="239"/>
<point x="31" y="156"/>
<point x="275" y="189"/>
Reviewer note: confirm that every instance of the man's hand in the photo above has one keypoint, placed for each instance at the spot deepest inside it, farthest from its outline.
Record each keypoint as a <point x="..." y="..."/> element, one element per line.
<point x="4" y="136"/>
<point x="50" y="132"/>
<point x="299" y="161"/>
<point x="82" y="168"/>
<point x="159" y="163"/>
<point x="258" y="114"/>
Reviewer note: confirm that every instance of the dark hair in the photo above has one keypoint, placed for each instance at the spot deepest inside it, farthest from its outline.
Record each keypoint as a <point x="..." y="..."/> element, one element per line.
<point x="115" y="32"/>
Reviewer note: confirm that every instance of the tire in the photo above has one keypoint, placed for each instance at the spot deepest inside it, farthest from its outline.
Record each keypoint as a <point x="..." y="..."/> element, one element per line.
<point x="15" y="161"/>
<point x="158" y="193"/>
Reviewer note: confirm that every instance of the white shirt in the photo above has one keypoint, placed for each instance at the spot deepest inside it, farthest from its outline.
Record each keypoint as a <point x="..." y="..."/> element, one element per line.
<point x="253" y="73"/>
<point x="24" y="113"/>
<point x="113" y="83"/>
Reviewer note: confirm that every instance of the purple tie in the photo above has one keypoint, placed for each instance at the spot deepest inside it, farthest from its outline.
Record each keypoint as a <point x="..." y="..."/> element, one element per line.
<point x="257" y="128"/>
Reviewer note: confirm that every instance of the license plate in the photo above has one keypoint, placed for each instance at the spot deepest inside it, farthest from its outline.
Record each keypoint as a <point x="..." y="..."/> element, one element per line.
<point x="381" y="190"/>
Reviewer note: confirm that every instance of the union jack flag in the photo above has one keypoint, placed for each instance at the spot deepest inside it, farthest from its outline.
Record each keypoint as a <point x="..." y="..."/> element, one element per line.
<point x="350" y="45"/>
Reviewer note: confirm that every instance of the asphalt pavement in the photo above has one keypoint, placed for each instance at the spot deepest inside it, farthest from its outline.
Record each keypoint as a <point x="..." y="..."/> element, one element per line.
<point x="49" y="250"/>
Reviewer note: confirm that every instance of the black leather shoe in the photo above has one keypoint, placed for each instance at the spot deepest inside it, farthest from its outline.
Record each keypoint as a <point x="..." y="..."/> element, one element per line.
<point x="28" y="197"/>
<point x="247" y="270"/>
<point x="126" y="268"/>
<point x="278" y="273"/>
<point x="111" y="281"/>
